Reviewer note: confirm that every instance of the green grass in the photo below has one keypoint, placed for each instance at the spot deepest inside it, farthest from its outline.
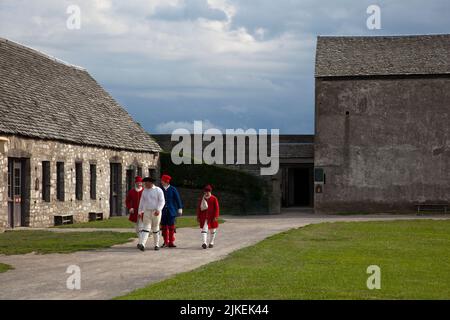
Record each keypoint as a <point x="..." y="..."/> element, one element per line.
<point x="5" y="267"/>
<point x="325" y="261"/>
<point x="123" y="222"/>
<point x="21" y="242"/>
<point x="112" y="223"/>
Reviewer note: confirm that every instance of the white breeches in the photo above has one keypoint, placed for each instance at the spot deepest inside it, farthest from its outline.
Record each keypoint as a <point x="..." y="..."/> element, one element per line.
<point x="149" y="224"/>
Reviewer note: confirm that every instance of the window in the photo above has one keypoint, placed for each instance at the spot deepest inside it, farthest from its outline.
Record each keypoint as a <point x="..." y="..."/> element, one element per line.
<point x="152" y="173"/>
<point x="46" y="181"/>
<point x="60" y="181"/>
<point x="139" y="171"/>
<point x="93" y="181"/>
<point x="130" y="179"/>
<point x="79" y="181"/>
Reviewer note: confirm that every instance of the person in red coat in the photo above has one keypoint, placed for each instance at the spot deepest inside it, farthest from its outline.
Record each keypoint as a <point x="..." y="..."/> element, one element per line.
<point x="208" y="216"/>
<point x="133" y="199"/>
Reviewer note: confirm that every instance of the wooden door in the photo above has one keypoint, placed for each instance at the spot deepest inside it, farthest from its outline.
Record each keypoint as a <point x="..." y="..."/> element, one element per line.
<point x="15" y="192"/>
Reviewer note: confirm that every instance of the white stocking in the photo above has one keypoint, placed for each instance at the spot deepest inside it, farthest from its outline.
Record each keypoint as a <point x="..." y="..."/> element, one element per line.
<point x="143" y="237"/>
<point x="213" y="236"/>
<point x="205" y="232"/>
<point x="156" y="238"/>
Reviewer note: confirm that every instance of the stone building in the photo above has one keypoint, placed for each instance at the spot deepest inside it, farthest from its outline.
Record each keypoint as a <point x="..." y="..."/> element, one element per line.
<point x="66" y="147"/>
<point x="382" y="140"/>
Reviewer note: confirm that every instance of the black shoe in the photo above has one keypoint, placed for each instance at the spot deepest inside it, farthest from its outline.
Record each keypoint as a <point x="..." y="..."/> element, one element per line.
<point x="211" y="246"/>
<point x="156" y="248"/>
<point x="141" y="247"/>
<point x="204" y="246"/>
<point x="172" y="245"/>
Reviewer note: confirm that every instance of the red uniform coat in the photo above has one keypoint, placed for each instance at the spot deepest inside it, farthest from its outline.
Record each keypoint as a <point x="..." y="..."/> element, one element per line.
<point x="211" y="214"/>
<point x="132" y="202"/>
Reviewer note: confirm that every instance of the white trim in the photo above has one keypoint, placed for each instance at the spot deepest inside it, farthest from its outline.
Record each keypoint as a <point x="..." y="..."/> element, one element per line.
<point x="43" y="54"/>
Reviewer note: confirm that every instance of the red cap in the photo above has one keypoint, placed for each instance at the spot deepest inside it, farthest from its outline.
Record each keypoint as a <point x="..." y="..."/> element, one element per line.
<point x="138" y="179"/>
<point x="166" y="178"/>
<point x="207" y="188"/>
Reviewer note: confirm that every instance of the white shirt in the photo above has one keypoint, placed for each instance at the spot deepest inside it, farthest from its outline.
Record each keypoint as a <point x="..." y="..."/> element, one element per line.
<point x="152" y="199"/>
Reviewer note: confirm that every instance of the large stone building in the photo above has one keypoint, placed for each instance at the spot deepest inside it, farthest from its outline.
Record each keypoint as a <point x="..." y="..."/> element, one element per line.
<point x="66" y="147"/>
<point x="382" y="140"/>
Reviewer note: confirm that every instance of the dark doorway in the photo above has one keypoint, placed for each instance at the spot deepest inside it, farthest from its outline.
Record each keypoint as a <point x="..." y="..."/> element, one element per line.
<point x="116" y="189"/>
<point x="297" y="186"/>
<point x="18" y="192"/>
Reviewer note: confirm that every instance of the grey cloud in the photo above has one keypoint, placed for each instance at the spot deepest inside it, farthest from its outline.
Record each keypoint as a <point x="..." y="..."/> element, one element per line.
<point x="190" y="10"/>
<point x="266" y="83"/>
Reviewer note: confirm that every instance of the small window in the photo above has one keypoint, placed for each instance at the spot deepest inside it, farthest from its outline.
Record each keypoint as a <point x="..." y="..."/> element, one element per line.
<point x="130" y="179"/>
<point x="93" y="181"/>
<point x="46" y="181"/>
<point x="139" y="171"/>
<point x="60" y="181"/>
<point x="79" y="181"/>
<point x="319" y="175"/>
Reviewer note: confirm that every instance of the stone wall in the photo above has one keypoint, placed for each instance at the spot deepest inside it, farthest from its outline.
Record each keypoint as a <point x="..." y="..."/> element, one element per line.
<point x="232" y="202"/>
<point x="384" y="143"/>
<point x="41" y="212"/>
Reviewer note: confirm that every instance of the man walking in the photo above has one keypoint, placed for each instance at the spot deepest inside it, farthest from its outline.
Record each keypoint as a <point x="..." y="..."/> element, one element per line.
<point x="208" y="216"/>
<point x="150" y="208"/>
<point x="172" y="208"/>
<point x="132" y="201"/>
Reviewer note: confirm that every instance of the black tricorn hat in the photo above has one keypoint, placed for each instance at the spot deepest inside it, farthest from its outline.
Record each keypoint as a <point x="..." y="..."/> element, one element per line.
<point x="148" y="179"/>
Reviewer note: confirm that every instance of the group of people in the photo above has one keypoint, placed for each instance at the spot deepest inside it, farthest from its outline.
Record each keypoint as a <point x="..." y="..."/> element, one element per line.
<point x="154" y="211"/>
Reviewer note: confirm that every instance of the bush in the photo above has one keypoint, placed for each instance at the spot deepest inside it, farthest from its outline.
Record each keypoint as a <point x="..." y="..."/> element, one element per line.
<point x="223" y="179"/>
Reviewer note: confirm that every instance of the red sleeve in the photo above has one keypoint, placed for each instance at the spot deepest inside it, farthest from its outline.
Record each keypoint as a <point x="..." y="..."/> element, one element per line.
<point x="129" y="200"/>
<point x="216" y="207"/>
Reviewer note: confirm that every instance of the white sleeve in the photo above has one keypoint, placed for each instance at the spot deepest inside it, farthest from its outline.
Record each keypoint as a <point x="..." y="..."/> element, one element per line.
<point x="141" y="203"/>
<point x="161" y="201"/>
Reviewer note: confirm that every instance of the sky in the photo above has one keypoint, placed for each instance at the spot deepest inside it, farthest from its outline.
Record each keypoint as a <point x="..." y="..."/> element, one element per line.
<point x="229" y="63"/>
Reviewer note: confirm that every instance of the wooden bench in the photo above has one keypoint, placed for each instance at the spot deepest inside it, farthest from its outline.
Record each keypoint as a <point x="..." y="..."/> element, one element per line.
<point x="95" y="216"/>
<point x="433" y="207"/>
<point x="62" y="219"/>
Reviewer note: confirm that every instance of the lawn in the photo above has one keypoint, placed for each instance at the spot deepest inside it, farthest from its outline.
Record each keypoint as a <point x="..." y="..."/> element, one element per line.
<point x="21" y="242"/>
<point x="123" y="222"/>
<point x="325" y="261"/>
<point x="4" y="267"/>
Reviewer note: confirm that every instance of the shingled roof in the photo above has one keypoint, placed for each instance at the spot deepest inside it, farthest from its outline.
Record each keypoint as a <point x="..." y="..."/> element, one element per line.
<point x="381" y="56"/>
<point x="45" y="98"/>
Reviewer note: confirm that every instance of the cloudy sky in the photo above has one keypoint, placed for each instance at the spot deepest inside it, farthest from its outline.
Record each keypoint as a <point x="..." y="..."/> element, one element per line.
<point x="229" y="63"/>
